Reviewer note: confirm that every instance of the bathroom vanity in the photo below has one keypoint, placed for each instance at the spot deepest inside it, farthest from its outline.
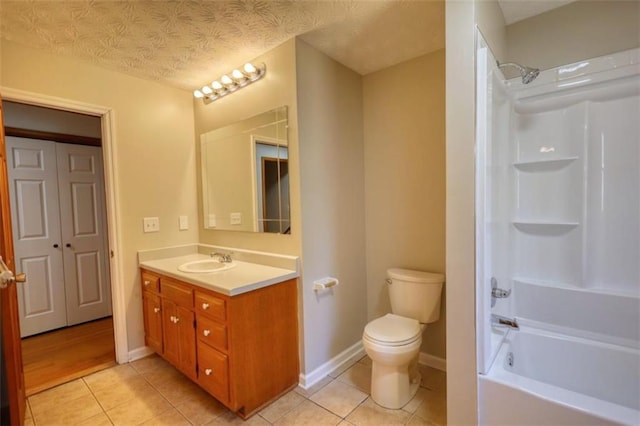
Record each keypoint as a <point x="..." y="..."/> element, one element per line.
<point x="234" y="333"/>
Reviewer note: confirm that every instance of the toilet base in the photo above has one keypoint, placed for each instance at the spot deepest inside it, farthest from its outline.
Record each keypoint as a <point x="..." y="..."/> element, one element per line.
<point x="393" y="388"/>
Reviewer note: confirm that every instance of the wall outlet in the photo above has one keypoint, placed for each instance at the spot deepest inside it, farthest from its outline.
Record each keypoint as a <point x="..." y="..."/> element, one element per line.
<point x="183" y="223"/>
<point x="235" y="218"/>
<point x="151" y="224"/>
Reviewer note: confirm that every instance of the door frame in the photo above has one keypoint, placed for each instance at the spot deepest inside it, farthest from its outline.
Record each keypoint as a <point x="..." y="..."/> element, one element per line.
<point x="111" y="186"/>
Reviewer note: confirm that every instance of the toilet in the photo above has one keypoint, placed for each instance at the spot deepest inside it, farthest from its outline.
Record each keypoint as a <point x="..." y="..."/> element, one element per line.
<point x="393" y="341"/>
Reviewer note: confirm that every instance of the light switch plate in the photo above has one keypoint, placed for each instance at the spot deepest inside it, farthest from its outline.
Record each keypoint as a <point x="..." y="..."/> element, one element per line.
<point x="235" y="218"/>
<point x="183" y="223"/>
<point x="151" y="224"/>
<point x="211" y="221"/>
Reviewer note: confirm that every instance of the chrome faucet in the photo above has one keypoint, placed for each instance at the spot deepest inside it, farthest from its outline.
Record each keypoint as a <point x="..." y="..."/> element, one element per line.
<point x="500" y="321"/>
<point x="224" y="257"/>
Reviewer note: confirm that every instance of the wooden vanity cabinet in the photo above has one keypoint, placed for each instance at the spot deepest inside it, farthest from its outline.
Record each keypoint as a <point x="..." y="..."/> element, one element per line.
<point x="152" y="311"/>
<point x="243" y="349"/>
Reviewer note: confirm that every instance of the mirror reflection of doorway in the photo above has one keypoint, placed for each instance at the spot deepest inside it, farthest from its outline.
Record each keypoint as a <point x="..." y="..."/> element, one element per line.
<point x="272" y="185"/>
<point x="274" y="171"/>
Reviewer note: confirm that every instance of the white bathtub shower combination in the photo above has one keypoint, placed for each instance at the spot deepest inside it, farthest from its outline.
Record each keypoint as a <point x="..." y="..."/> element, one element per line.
<point x="558" y="225"/>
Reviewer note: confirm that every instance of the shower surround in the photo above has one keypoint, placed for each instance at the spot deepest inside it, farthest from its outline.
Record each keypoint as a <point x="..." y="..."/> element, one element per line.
<point x="558" y="224"/>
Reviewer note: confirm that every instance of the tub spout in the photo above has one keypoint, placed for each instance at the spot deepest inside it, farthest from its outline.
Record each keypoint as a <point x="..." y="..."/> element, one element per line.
<point x="499" y="320"/>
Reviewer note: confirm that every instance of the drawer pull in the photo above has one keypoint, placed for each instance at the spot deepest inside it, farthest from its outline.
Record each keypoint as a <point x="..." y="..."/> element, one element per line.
<point x="176" y="320"/>
<point x="156" y="310"/>
<point x="205" y="306"/>
<point x="147" y="283"/>
<point x="206" y="333"/>
<point x="208" y="371"/>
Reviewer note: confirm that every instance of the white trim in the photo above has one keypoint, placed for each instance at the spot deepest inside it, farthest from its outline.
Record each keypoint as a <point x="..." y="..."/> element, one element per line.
<point x="432" y="361"/>
<point x="350" y="354"/>
<point x="139" y="353"/>
<point x="111" y="189"/>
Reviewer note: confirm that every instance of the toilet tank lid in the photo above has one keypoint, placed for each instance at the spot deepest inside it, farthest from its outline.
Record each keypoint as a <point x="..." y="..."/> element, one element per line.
<point x="415" y="276"/>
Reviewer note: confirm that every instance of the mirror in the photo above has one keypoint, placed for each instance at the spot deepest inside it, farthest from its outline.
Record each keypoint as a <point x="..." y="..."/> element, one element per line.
<point x="245" y="175"/>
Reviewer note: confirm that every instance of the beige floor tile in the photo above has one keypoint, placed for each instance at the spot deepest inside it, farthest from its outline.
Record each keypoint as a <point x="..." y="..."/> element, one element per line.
<point x="344" y="423"/>
<point x="58" y="396"/>
<point x="431" y="378"/>
<point x="72" y="412"/>
<point x="229" y="418"/>
<point x="161" y="374"/>
<point x="27" y="411"/>
<point x="147" y="405"/>
<point x="433" y="408"/>
<point x="100" y="419"/>
<point x="344" y="367"/>
<point x="369" y="413"/>
<point x="417" y="399"/>
<point x="359" y="375"/>
<point x="419" y="421"/>
<point x="120" y="393"/>
<point x="110" y="377"/>
<point x="177" y="389"/>
<point x="365" y="360"/>
<point x="309" y="413"/>
<point x="281" y="406"/>
<point x="200" y="410"/>
<point x="315" y="388"/>
<point x="146" y="364"/>
<point x="170" y="417"/>
<point x="339" y="398"/>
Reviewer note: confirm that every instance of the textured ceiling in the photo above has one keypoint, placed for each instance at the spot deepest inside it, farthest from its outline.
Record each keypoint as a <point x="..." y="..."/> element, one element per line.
<point x="188" y="43"/>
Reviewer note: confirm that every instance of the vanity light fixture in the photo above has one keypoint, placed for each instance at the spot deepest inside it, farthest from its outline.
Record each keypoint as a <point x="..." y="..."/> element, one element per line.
<point x="227" y="84"/>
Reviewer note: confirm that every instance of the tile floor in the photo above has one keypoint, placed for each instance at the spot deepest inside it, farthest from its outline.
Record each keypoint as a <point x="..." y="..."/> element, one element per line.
<point x="151" y="392"/>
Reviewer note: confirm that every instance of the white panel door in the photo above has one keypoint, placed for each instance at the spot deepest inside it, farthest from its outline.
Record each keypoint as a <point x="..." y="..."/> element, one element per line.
<point x="33" y="191"/>
<point x="81" y="193"/>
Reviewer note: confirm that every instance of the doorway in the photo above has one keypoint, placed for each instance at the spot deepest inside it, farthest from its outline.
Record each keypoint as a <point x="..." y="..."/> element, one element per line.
<point x="37" y="136"/>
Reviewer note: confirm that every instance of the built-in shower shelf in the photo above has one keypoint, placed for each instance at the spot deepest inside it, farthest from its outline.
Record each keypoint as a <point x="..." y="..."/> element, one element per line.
<point x="544" y="165"/>
<point x="543" y="226"/>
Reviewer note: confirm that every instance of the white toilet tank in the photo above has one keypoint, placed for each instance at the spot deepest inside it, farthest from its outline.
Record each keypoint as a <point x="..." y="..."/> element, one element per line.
<point x="415" y="294"/>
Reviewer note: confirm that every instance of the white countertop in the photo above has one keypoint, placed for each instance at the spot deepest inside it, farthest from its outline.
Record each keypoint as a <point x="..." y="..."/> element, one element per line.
<point x="244" y="277"/>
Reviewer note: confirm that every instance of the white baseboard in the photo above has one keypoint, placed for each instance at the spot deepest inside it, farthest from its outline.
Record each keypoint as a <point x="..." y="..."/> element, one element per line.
<point x="350" y="354"/>
<point x="140" y="352"/>
<point x="432" y="361"/>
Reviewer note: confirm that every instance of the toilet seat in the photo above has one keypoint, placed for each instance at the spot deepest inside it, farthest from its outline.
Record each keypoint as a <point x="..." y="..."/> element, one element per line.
<point x="393" y="330"/>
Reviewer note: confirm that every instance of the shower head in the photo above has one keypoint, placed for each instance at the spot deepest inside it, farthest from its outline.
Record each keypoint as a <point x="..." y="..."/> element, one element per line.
<point x="528" y="74"/>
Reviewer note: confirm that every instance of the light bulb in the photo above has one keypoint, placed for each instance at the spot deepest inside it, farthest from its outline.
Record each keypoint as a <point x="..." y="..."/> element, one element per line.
<point x="198" y="94"/>
<point x="237" y="74"/>
<point x="207" y="90"/>
<point x="216" y="85"/>
<point x="249" y="68"/>
<point x="225" y="79"/>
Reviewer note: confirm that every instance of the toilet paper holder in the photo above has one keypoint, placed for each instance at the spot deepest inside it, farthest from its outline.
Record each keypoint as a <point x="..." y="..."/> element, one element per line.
<point x="325" y="283"/>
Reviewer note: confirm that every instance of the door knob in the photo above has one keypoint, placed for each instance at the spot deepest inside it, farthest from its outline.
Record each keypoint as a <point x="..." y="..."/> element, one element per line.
<point x="206" y="333"/>
<point x="208" y="371"/>
<point x="205" y="306"/>
<point x="56" y="246"/>
<point x="156" y="310"/>
<point x="68" y="245"/>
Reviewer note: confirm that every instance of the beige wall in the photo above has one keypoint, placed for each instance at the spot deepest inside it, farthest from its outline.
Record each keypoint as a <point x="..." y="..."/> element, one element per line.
<point x="154" y="149"/>
<point x="580" y="30"/>
<point x="404" y="132"/>
<point x="332" y="196"/>
<point x="277" y="88"/>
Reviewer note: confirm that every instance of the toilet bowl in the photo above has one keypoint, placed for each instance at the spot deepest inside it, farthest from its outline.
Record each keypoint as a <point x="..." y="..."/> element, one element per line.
<point x="393" y="343"/>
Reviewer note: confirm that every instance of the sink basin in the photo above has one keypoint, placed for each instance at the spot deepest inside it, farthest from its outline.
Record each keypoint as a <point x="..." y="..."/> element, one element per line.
<point x="205" y="266"/>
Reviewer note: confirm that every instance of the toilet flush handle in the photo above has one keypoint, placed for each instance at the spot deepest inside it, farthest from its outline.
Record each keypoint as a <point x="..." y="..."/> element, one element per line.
<point x="388" y="280"/>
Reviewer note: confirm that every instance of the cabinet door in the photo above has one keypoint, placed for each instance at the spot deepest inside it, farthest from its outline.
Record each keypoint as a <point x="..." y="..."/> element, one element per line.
<point x="170" y="332"/>
<point x="187" y="345"/>
<point x="152" y="321"/>
<point x="213" y="372"/>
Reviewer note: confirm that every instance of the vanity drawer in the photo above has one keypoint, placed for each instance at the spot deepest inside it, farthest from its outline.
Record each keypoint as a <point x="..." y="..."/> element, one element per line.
<point x="176" y="292"/>
<point x="215" y="307"/>
<point x="212" y="333"/>
<point x="213" y="372"/>
<point x="150" y="282"/>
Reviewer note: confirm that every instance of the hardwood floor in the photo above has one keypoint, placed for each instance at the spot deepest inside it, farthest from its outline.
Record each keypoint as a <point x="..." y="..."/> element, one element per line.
<point x="63" y="355"/>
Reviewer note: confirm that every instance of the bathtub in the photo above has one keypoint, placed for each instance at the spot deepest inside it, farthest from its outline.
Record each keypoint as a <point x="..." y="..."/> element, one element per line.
<point x="549" y="378"/>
